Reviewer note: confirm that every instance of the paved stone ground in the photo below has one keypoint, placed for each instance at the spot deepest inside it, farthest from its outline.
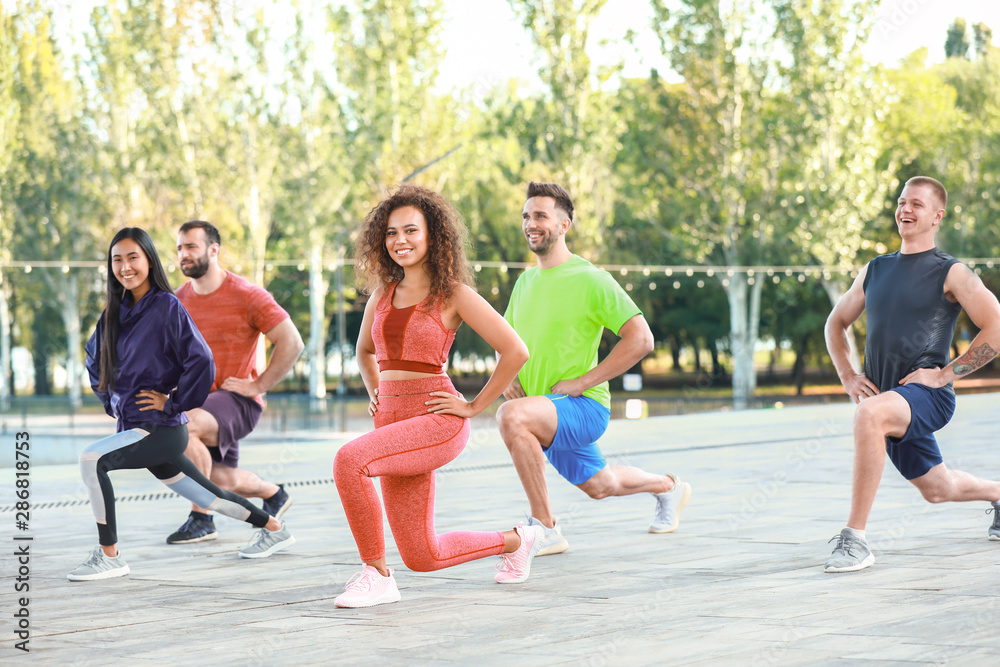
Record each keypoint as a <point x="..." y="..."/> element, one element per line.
<point x="740" y="582"/>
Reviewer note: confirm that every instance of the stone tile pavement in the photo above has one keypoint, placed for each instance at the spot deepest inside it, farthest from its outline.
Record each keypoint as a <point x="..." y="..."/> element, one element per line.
<point x="740" y="582"/>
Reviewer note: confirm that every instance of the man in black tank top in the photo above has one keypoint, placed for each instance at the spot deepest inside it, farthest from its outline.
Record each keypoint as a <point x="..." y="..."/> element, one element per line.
<point x="913" y="298"/>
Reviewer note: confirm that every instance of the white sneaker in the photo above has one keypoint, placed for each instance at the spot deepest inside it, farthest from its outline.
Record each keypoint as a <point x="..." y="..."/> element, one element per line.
<point x="669" y="506"/>
<point x="515" y="567"/>
<point x="553" y="542"/>
<point x="368" y="588"/>
<point x="99" y="566"/>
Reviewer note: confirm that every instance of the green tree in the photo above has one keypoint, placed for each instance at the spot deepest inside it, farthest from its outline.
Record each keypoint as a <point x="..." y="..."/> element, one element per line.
<point x="55" y="202"/>
<point x="9" y="120"/>
<point x="956" y="45"/>
<point x="983" y="39"/>
<point x="571" y="132"/>
<point x="748" y="122"/>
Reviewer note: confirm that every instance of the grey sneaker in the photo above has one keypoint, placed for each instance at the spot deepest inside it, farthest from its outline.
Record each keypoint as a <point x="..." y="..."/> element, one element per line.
<point x="669" y="506"/>
<point x="851" y="553"/>
<point x="553" y="542"/>
<point x="995" y="528"/>
<point x="99" y="566"/>
<point x="265" y="542"/>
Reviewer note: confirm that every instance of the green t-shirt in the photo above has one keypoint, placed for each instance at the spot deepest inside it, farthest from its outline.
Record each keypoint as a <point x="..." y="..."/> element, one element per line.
<point x="560" y="314"/>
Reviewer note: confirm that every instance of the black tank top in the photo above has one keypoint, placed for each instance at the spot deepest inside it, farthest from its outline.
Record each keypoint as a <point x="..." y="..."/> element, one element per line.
<point x="910" y="322"/>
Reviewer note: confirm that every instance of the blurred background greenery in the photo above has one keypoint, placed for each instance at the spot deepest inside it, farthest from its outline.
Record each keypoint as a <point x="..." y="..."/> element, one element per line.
<point x="734" y="192"/>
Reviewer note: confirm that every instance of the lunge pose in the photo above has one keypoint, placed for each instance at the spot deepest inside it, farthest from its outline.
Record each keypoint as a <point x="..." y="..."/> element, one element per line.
<point x="148" y="364"/>
<point x="560" y="405"/>
<point x="231" y="314"/>
<point x="913" y="298"/>
<point x="412" y="252"/>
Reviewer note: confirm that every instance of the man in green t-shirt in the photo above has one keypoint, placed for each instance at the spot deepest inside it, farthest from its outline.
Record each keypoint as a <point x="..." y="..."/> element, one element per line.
<point x="560" y="404"/>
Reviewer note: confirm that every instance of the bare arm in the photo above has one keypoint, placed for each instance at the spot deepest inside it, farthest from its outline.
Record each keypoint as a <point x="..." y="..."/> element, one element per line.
<point x="366" y="352"/>
<point x="843" y="315"/>
<point x="965" y="287"/>
<point x="475" y="311"/>
<point x="287" y="347"/>
<point x="636" y="342"/>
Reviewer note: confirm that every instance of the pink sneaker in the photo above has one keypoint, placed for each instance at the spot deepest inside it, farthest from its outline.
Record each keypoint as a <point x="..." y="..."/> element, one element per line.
<point x="368" y="588"/>
<point x="513" y="568"/>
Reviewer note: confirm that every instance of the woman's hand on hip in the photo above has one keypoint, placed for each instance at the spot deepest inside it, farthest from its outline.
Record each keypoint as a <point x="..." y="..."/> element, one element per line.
<point x="444" y="403"/>
<point x="152" y="399"/>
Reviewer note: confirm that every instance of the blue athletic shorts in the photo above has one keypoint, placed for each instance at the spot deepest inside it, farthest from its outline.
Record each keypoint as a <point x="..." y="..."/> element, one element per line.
<point x="930" y="409"/>
<point x="574" y="452"/>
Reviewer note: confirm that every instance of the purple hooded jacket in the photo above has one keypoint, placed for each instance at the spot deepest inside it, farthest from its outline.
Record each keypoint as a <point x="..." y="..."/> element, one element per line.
<point x="160" y="348"/>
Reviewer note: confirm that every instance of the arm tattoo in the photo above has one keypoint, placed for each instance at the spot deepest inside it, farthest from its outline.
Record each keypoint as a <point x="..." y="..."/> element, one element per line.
<point x="974" y="359"/>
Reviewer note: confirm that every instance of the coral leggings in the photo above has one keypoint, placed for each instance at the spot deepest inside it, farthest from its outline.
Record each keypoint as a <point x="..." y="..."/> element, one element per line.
<point x="404" y="450"/>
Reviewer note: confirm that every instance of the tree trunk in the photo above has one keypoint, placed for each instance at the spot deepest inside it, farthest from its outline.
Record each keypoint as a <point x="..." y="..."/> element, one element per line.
<point x="5" y="387"/>
<point x="74" y="344"/>
<point x="40" y="360"/>
<point x="675" y="352"/>
<point x="697" y="355"/>
<point x="744" y="305"/>
<point x="718" y="372"/>
<point x="317" y="330"/>
<point x="799" y="369"/>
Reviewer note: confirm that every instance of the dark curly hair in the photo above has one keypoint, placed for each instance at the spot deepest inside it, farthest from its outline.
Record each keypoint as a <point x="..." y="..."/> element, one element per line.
<point x="447" y="242"/>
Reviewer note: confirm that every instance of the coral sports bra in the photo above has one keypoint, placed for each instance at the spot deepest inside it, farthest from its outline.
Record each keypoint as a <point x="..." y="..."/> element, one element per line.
<point x="410" y="339"/>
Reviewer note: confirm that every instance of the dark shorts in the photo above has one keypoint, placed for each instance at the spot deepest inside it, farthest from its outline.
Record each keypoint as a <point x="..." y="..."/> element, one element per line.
<point x="237" y="416"/>
<point x="930" y="409"/>
<point x="574" y="452"/>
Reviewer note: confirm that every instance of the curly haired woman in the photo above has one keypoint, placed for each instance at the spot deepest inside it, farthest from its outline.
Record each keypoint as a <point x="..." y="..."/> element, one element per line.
<point x="412" y="252"/>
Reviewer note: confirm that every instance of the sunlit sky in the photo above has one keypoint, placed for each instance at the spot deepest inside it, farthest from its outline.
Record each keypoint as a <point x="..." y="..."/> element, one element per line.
<point x="486" y="45"/>
<point x="486" y="42"/>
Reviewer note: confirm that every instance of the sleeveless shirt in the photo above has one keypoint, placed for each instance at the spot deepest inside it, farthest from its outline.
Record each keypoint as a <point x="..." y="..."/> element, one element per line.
<point x="910" y="322"/>
<point x="410" y="339"/>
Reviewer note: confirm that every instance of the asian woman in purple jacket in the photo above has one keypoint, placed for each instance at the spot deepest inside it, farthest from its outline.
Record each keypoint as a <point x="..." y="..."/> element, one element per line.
<point x="148" y="364"/>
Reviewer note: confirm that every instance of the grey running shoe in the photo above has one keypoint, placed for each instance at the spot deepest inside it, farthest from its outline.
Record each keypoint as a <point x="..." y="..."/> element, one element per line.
<point x="99" y="566"/>
<point x="851" y="553"/>
<point x="995" y="528"/>
<point x="265" y="542"/>
<point x="553" y="542"/>
<point x="278" y="504"/>
<point x="198" y="528"/>
<point x="669" y="506"/>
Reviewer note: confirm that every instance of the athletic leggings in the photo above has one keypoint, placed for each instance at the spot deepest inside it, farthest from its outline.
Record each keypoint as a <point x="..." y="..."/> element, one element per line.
<point x="404" y="450"/>
<point x="161" y="451"/>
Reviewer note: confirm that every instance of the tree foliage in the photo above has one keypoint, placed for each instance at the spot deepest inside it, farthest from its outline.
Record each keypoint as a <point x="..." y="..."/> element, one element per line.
<point x="769" y="142"/>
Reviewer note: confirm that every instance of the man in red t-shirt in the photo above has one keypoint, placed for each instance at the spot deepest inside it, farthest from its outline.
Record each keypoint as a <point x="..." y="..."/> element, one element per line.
<point x="231" y="314"/>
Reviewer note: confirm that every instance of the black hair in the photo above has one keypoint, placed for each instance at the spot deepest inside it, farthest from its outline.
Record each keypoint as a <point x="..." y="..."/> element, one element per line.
<point x="116" y="292"/>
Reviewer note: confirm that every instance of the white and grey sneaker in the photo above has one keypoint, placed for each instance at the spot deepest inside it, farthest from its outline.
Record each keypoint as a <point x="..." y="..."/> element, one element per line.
<point x="265" y="542"/>
<point x="850" y="554"/>
<point x="669" y="506"/>
<point x="553" y="542"/>
<point x="99" y="566"/>
<point x="995" y="528"/>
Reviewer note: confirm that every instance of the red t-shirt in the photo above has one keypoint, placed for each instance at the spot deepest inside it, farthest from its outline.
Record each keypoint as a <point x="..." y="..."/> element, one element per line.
<point x="231" y="319"/>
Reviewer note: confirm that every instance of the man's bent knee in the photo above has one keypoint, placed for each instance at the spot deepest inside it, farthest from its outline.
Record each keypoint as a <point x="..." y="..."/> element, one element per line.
<point x="510" y="416"/>
<point x="600" y="486"/>
<point x="202" y="425"/>
<point x="888" y="413"/>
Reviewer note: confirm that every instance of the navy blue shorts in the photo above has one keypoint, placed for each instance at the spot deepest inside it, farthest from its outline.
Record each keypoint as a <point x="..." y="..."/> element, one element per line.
<point x="930" y="409"/>
<point x="237" y="416"/>
<point x="574" y="452"/>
